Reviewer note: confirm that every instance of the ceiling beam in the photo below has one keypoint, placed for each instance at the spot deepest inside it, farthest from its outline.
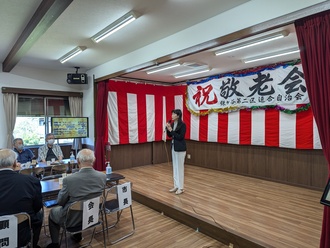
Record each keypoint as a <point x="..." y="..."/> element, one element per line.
<point x="47" y="12"/>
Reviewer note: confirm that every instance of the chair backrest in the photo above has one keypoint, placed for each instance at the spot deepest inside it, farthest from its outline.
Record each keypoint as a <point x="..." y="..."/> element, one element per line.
<point x="9" y="230"/>
<point x="123" y="196"/>
<point x="58" y="169"/>
<point x="26" y="171"/>
<point x="39" y="172"/>
<point x="83" y="213"/>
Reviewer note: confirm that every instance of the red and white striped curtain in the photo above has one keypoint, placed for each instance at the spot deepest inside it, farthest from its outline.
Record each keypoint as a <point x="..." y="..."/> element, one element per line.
<point x="137" y="113"/>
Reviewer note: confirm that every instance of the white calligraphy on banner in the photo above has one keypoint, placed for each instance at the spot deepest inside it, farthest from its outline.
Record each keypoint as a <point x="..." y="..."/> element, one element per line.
<point x="282" y="86"/>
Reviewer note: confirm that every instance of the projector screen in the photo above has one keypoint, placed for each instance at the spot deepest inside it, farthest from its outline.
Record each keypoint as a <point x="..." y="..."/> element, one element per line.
<point x="69" y="127"/>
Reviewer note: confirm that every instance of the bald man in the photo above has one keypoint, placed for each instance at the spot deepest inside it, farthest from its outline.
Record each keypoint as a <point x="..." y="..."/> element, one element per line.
<point x="83" y="185"/>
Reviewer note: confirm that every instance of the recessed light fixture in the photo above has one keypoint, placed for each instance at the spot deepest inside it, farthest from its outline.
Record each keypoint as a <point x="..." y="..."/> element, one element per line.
<point x="190" y="73"/>
<point x="74" y="52"/>
<point x="115" y="26"/>
<point x="269" y="56"/>
<point x="163" y="68"/>
<point x="253" y="42"/>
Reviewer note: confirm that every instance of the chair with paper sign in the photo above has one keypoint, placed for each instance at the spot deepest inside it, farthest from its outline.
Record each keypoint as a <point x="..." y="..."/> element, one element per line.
<point x="27" y="171"/>
<point x="58" y="169"/>
<point x="118" y="198"/>
<point x="39" y="172"/>
<point x="16" y="230"/>
<point x="86" y="213"/>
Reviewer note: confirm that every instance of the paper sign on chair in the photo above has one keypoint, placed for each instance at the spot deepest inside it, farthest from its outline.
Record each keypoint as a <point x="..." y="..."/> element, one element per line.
<point x="90" y="212"/>
<point x="8" y="231"/>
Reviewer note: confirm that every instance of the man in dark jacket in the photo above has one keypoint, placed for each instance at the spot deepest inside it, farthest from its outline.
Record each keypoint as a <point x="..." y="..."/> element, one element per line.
<point x="20" y="193"/>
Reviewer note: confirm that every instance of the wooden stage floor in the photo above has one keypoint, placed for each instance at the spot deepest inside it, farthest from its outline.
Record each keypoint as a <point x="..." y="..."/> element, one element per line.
<point x="243" y="211"/>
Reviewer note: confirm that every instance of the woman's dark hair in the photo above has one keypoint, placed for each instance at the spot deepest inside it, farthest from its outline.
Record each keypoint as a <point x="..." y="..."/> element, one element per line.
<point x="178" y="112"/>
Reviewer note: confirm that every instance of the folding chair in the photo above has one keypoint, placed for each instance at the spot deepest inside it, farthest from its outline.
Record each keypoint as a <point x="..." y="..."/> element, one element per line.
<point x="24" y="235"/>
<point x="58" y="169"/>
<point x="39" y="172"/>
<point x="77" y="211"/>
<point x="46" y="203"/>
<point x="27" y="171"/>
<point x="51" y="177"/>
<point x="120" y="198"/>
<point x="73" y="167"/>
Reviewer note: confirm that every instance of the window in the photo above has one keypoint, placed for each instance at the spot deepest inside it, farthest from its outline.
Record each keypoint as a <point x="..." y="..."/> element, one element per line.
<point x="34" y="117"/>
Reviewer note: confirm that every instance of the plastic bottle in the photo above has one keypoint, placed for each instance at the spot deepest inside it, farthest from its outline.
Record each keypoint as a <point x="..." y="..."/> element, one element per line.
<point x="108" y="169"/>
<point x="72" y="158"/>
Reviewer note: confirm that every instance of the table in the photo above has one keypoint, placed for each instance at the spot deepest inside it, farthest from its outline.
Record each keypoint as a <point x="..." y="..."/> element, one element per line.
<point x="70" y="166"/>
<point x="114" y="177"/>
<point x="64" y="161"/>
<point x="50" y="188"/>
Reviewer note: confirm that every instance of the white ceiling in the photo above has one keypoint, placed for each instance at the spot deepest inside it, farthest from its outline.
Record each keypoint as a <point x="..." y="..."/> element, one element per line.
<point x="227" y="62"/>
<point x="159" y="19"/>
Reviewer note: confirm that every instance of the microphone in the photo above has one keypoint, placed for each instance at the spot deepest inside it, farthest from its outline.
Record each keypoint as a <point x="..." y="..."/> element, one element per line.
<point x="169" y="122"/>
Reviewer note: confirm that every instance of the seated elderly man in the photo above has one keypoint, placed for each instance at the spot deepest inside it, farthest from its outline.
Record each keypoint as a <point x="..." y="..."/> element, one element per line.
<point x="20" y="193"/>
<point x="83" y="185"/>
<point x="50" y="150"/>
<point x="24" y="155"/>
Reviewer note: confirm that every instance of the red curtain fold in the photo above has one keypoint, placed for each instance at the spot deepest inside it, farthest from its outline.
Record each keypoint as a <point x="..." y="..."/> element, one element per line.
<point x="101" y="125"/>
<point x="313" y="35"/>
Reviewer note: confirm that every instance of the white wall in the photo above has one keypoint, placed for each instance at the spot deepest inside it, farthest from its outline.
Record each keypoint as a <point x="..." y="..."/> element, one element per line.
<point x="22" y="77"/>
<point x="88" y="106"/>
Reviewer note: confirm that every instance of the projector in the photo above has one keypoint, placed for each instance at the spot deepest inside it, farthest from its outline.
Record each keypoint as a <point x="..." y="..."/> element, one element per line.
<point x="76" y="78"/>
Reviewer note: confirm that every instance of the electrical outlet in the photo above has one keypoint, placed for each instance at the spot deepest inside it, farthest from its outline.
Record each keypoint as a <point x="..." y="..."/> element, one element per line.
<point x="188" y="156"/>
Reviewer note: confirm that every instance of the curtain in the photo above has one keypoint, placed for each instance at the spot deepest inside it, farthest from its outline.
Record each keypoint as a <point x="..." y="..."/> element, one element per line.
<point x="10" y="102"/>
<point x="76" y="111"/>
<point x="313" y="35"/>
<point x="101" y="125"/>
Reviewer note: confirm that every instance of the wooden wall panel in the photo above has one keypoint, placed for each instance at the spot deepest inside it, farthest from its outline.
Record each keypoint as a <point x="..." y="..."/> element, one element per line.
<point x="128" y="156"/>
<point x="304" y="168"/>
<point x="319" y="174"/>
<point x="161" y="152"/>
<point x="257" y="162"/>
<point x="276" y="162"/>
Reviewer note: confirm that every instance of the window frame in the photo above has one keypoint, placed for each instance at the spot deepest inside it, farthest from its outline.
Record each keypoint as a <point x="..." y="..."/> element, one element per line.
<point x="44" y="94"/>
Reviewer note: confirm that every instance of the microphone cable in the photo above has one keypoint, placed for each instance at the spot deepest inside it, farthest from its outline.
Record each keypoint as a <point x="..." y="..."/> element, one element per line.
<point x="165" y="136"/>
<point x="236" y="245"/>
<point x="200" y="214"/>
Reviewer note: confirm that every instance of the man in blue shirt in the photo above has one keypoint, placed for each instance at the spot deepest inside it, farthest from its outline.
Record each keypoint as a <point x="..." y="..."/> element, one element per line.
<point x="23" y="154"/>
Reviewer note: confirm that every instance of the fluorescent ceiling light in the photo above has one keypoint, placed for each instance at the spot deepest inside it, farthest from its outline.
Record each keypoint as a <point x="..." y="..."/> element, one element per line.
<point x="74" y="52"/>
<point x="163" y="68"/>
<point x="115" y="26"/>
<point x="190" y="73"/>
<point x="252" y="43"/>
<point x="269" y="56"/>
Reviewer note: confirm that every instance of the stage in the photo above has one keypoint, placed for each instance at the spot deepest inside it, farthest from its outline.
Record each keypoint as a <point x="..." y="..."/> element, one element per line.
<point x="242" y="211"/>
